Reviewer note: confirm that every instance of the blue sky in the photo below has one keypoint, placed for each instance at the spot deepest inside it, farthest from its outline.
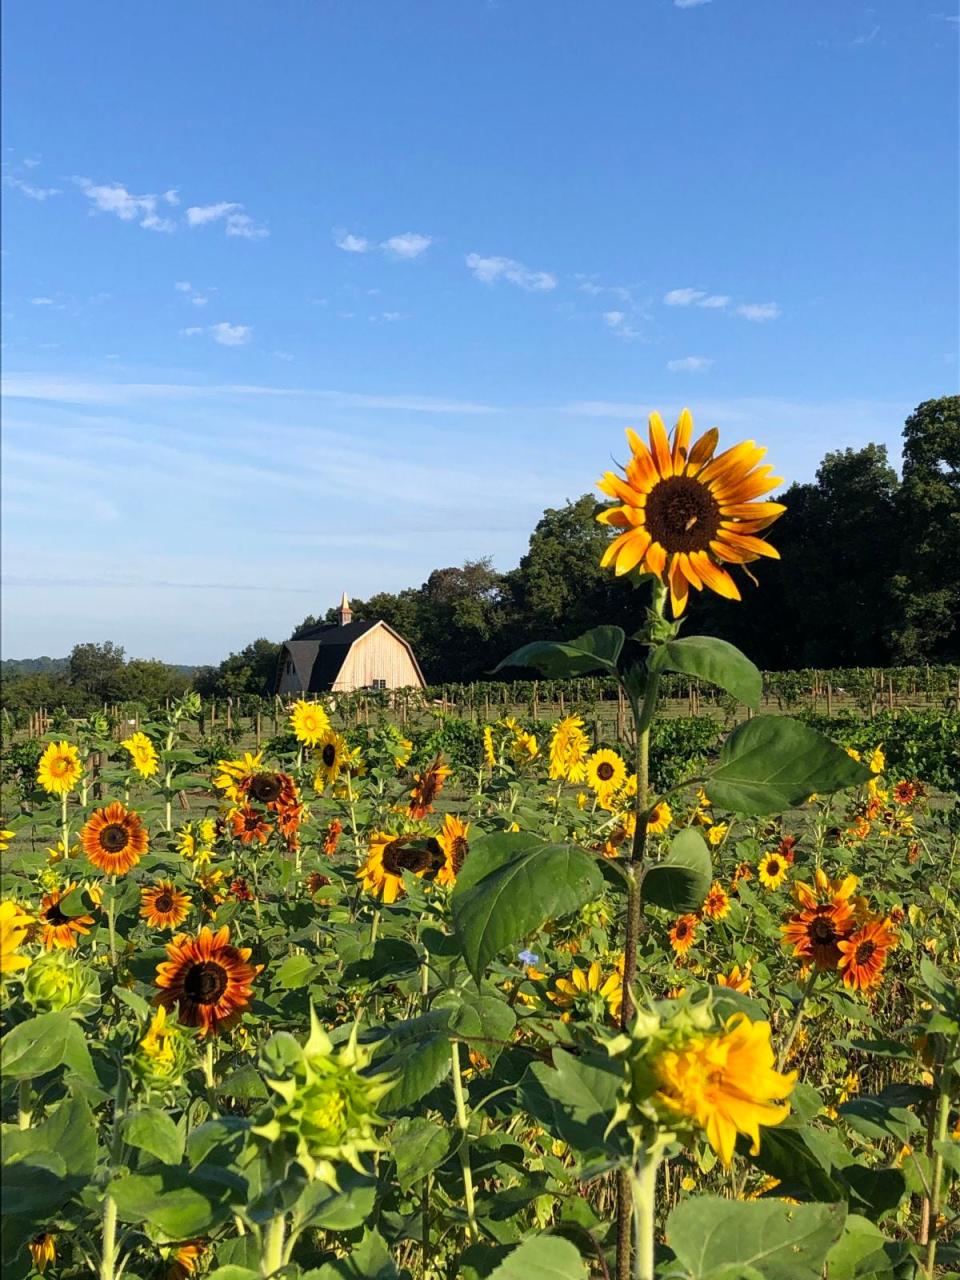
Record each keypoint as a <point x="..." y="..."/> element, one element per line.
<point x="319" y="296"/>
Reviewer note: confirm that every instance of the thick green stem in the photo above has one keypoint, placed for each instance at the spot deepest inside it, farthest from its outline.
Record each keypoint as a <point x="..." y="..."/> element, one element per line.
<point x="463" y="1124"/>
<point x="64" y="825"/>
<point x="374" y="926"/>
<point x="108" y="1250"/>
<point x="644" y="1187"/>
<point x="936" y="1134"/>
<point x="24" y="1106"/>
<point x="111" y="921"/>
<point x="210" y="1077"/>
<point x="271" y="1256"/>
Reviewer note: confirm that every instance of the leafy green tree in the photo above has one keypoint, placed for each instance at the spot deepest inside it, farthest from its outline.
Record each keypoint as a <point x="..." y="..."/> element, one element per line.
<point x="98" y="670"/>
<point x="252" y="671"/>
<point x="926" y="585"/>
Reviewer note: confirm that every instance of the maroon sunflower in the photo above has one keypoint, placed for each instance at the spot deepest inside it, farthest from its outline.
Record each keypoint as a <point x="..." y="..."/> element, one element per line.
<point x="114" y="839"/>
<point x="207" y="979"/>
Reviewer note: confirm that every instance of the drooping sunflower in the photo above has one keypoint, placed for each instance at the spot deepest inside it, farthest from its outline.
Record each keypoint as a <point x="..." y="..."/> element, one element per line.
<point x="772" y="870"/>
<point x="716" y="904"/>
<point x="489" y="752"/>
<point x="59" y="769"/>
<point x="43" y="1250"/>
<point x="114" y="839"/>
<point x="59" y="930"/>
<point x="683" y="933"/>
<point x="143" y="754"/>
<point x="685" y="512"/>
<point x="427" y="785"/>
<point x="164" y="906"/>
<point x="727" y="1083"/>
<point x="249" y="824"/>
<point x="864" y="954"/>
<point x="332" y="837"/>
<point x="453" y="841"/>
<point x="187" y="1260"/>
<point x="659" y="819"/>
<point x="590" y="987"/>
<point x="309" y="722"/>
<point x="332" y="757"/>
<point x="606" y="773"/>
<point x="569" y="748"/>
<point x="14" y="927"/>
<point x="234" y="773"/>
<point x="207" y="979"/>
<point x="389" y="855"/>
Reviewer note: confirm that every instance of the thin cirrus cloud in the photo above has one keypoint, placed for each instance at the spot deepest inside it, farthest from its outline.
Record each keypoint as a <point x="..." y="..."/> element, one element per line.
<point x="489" y="270"/>
<point x="689" y="4"/>
<point x="30" y="189"/>
<point x="690" y="364"/>
<point x="113" y="197"/>
<point x="198" y="299"/>
<point x="619" y="322"/>
<point x="407" y="246"/>
<point x="227" y="335"/>
<point x="758" y="312"/>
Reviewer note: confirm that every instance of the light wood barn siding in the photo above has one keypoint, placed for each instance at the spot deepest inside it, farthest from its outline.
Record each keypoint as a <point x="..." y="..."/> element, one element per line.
<point x="378" y="655"/>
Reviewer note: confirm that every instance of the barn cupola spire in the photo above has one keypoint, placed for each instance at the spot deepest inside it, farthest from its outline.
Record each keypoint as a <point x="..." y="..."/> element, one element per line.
<point x="346" y="613"/>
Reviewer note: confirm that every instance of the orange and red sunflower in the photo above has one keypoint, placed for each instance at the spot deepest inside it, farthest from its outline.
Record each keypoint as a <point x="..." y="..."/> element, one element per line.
<point x="164" y="906"/>
<point x="427" y="786"/>
<point x="60" y="931"/>
<point x="207" y="979"/>
<point x="683" y="934"/>
<point x="114" y="839"/>
<point x="248" y="824"/>
<point x="864" y="953"/>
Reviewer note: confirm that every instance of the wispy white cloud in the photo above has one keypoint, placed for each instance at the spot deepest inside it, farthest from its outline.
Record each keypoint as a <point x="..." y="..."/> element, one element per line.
<point x="198" y="299"/>
<point x="715" y="301"/>
<point x="683" y="297"/>
<point x="184" y="286"/>
<point x="29" y="189"/>
<point x="42" y="302"/>
<point x="172" y="196"/>
<point x="621" y="323"/>
<point x="689" y="4"/>
<point x="488" y="270"/>
<point x="237" y="222"/>
<point x="350" y="243"/>
<point x="228" y="335"/>
<point x="114" y="198"/>
<point x="408" y="245"/>
<point x="31" y="162"/>
<point x="690" y="364"/>
<point x="868" y="38"/>
<point x="590" y="286"/>
<point x="759" y="312"/>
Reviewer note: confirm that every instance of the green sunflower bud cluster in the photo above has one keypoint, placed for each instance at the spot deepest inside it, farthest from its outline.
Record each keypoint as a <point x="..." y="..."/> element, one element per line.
<point x="328" y="1109"/>
<point x="57" y="982"/>
<point x="162" y="1056"/>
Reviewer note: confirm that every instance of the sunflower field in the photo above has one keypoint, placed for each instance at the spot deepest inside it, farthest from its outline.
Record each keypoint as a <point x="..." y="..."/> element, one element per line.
<point x="516" y="1005"/>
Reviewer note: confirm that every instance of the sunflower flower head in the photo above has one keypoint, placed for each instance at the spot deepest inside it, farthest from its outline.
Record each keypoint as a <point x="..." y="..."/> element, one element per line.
<point x="163" y="1055"/>
<point x="231" y="775"/>
<point x="143" y="754"/>
<point x="309" y="722"/>
<point x="14" y="928"/>
<point x="332" y="758"/>
<point x="489" y="751"/>
<point x="689" y="1074"/>
<point x="427" y="785"/>
<point x="605" y="775"/>
<point x="327" y="1112"/>
<point x="59" y="769"/>
<point x="114" y="839"/>
<point x="43" y="1250"/>
<point x="685" y="511"/>
<point x="208" y="980"/>
<point x="569" y="748"/>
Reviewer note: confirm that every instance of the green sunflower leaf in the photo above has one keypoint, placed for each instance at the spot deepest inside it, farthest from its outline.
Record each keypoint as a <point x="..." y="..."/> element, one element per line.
<point x="510" y="885"/>
<point x="712" y="660"/>
<point x="680" y="882"/>
<point x="596" y="650"/>
<point x="776" y="1241"/>
<point x="773" y="763"/>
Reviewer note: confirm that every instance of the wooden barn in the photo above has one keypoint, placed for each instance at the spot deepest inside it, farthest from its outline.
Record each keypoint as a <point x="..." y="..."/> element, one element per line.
<point x="346" y="655"/>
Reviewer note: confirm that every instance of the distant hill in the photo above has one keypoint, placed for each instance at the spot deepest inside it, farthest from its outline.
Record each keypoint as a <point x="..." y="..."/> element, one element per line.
<point x="11" y="668"/>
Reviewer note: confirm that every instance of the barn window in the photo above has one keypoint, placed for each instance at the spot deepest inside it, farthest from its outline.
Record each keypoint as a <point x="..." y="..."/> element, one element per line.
<point x="379" y="684"/>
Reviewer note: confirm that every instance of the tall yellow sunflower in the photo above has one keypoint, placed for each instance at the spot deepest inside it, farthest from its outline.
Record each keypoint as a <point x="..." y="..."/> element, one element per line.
<point x="59" y="768"/>
<point x="333" y="756"/>
<point x="233" y="774"/>
<point x="685" y="512"/>
<point x="388" y="856"/>
<point x="569" y="748"/>
<point x="14" y="927"/>
<point x="309" y="722"/>
<point x="453" y="841"/>
<point x="591" y="988"/>
<point x="143" y="754"/>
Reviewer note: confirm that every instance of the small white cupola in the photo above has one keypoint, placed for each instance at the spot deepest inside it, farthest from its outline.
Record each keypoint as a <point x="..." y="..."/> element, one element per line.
<point x="346" y="613"/>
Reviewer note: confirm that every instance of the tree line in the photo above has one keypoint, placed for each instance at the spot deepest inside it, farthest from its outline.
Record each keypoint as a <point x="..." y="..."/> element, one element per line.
<point x="869" y="576"/>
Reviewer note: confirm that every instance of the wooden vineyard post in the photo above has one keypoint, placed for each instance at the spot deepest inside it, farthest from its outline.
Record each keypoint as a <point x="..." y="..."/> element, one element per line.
<point x="276" y="715"/>
<point x="829" y="698"/>
<point x="230" y="713"/>
<point x="258" y="728"/>
<point x="486" y="707"/>
<point x="561" y="704"/>
<point x="536" y="699"/>
<point x="890" y="692"/>
<point x="213" y="711"/>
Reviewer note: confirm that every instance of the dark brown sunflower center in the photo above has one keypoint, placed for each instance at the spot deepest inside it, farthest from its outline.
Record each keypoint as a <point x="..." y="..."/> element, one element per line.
<point x="604" y="770"/>
<point x="205" y="983"/>
<point x="401" y="855"/>
<point x="822" y="932"/>
<point x="865" y="952"/>
<point x="53" y="915"/>
<point x="266" y="787"/>
<point x="329" y="755"/>
<point x="682" y="514"/>
<point x="773" y="867"/>
<point x="163" y="902"/>
<point x="458" y="853"/>
<point x="251" y="821"/>
<point x="114" y="838"/>
<point x="681" y="932"/>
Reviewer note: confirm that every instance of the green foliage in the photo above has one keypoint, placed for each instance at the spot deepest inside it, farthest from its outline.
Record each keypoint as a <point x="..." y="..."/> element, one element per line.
<point x="716" y="1239"/>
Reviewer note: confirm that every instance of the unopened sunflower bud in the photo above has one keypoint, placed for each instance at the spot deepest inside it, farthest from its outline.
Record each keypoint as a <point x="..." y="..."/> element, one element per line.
<point x="56" y="982"/>
<point x="162" y="1056"/>
<point x="328" y="1110"/>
